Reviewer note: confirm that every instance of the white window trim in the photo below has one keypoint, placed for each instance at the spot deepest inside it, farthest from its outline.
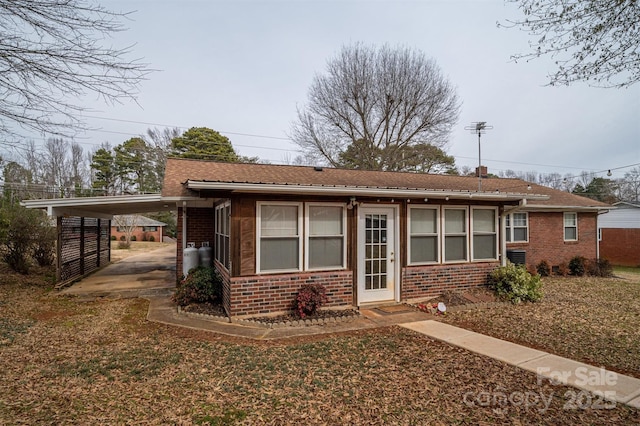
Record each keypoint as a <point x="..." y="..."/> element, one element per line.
<point x="307" y="236"/>
<point x="495" y="232"/>
<point x="220" y="222"/>
<point x="437" y="235"/>
<point x="511" y="227"/>
<point x="259" y="205"/>
<point x="444" y="234"/>
<point x="564" y="226"/>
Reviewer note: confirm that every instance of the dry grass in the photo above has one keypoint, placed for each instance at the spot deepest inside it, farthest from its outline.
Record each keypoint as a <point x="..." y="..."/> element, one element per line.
<point x="66" y="362"/>
<point x="137" y="247"/>
<point x="595" y="320"/>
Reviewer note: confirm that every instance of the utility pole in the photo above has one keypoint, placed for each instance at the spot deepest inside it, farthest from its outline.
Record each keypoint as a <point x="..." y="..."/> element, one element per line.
<point x="479" y="127"/>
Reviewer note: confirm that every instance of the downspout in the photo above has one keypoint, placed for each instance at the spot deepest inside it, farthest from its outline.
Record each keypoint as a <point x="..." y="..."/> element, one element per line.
<point x="598" y="233"/>
<point x="503" y="228"/>
<point x="184" y="228"/>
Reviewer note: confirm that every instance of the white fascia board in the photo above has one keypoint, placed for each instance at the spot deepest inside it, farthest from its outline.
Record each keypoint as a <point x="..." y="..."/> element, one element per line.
<point x="90" y="201"/>
<point x="543" y="208"/>
<point x="355" y="191"/>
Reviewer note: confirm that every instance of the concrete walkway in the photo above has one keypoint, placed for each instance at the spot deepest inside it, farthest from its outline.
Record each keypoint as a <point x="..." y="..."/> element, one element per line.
<point x="146" y="274"/>
<point x="613" y="386"/>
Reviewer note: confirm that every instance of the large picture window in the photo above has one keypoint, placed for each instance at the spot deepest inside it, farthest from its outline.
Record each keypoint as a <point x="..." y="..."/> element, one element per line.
<point x="279" y="236"/>
<point x="517" y="227"/>
<point x="571" y="226"/>
<point x="423" y="235"/>
<point x="485" y="236"/>
<point x="223" y="233"/>
<point x="455" y="234"/>
<point x="325" y="237"/>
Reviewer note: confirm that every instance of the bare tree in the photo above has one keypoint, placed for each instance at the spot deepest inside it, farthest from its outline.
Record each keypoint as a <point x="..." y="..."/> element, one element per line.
<point x="373" y="105"/>
<point x="629" y="186"/>
<point x="52" y="52"/>
<point x="590" y="40"/>
<point x="126" y="224"/>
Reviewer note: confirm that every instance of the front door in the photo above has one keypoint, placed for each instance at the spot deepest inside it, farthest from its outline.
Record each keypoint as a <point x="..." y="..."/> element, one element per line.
<point x="376" y="254"/>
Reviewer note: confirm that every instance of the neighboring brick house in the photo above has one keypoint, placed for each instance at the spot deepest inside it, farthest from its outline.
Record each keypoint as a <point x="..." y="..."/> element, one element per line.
<point x="619" y="230"/>
<point x="368" y="236"/>
<point x="146" y="229"/>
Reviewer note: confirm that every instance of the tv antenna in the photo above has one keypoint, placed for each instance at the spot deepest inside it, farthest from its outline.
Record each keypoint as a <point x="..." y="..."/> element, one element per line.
<point x="479" y="127"/>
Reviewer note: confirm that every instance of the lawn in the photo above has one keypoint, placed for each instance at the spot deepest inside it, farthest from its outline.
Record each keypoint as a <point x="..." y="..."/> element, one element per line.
<point x="595" y="320"/>
<point x="102" y="363"/>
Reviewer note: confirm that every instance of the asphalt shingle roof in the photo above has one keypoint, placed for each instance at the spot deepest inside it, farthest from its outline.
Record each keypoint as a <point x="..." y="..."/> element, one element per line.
<point x="179" y="171"/>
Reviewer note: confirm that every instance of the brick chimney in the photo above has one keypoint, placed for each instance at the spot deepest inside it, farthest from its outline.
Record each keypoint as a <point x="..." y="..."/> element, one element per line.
<point x="482" y="172"/>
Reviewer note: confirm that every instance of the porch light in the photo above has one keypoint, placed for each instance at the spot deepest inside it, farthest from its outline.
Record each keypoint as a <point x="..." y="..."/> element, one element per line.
<point x="352" y="203"/>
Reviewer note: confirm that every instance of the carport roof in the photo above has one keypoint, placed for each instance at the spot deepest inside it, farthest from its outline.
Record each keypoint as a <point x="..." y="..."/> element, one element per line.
<point x="102" y="207"/>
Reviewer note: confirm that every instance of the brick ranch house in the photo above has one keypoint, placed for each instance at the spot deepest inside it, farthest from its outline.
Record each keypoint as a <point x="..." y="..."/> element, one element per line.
<point x="370" y="237"/>
<point x="146" y="229"/>
<point x="620" y="234"/>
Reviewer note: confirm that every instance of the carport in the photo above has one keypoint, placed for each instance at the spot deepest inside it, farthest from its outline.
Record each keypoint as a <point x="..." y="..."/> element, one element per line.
<point x="84" y="228"/>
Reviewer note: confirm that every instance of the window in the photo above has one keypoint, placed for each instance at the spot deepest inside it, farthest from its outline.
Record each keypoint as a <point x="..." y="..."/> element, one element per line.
<point x="222" y="234"/>
<point x="325" y="237"/>
<point x="149" y="228"/>
<point x="279" y="237"/>
<point x="571" y="226"/>
<point x="455" y="234"/>
<point x="423" y="235"/>
<point x="517" y="226"/>
<point x="485" y="236"/>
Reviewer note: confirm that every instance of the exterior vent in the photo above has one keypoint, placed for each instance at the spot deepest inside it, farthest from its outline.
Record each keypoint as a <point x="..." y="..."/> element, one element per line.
<point x="518" y="257"/>
<point x="317" y="168"/>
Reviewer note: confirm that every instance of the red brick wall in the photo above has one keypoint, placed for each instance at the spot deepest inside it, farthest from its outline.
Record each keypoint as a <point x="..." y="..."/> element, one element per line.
<point x="621" y="246"/>
<point x="419" y="282"/>
<point x="546" y="239"/>
<point x="139" y="234"/>
<point x="262" y="294"/>
<point x="200" y="228"/>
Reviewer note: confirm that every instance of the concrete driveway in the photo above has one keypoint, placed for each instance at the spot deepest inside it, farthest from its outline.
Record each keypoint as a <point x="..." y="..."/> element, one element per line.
<point x="145" y="274"/>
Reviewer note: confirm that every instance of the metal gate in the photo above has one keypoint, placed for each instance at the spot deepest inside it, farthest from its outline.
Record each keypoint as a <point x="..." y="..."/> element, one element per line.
<point x="83" y="246"/>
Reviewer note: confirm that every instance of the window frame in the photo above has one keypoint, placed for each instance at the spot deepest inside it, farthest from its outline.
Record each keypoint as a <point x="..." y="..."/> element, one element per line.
<point x="146" y="229"/>
<point x="222" y="230"/>
<point x="307" y="236"/>
<point x="259" y="237"/>
<point x="564" y="225"/>
<point x="445" y="235"/>
<point x="437" y="234"/>
<point x="510" y="227"/>
<point x="473" y="233"/>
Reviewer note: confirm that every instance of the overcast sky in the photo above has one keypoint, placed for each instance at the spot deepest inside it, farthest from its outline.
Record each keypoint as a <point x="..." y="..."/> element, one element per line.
<point x="243" y="67"/>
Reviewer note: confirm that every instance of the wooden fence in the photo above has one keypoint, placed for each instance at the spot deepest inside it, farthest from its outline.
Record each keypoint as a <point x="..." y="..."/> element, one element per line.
<point x="83" y="246"/>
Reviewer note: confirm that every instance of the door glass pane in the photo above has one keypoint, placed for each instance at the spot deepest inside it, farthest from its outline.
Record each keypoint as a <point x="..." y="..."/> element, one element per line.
<point x="376" y="252"/>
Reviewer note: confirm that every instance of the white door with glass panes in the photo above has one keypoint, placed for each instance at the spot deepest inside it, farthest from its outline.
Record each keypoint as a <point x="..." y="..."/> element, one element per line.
<point x="377" y="254"/>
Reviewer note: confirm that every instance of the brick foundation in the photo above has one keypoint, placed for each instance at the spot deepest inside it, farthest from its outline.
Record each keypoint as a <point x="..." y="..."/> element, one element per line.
<point x="276" y="293"/>
<point x="421" y="282"/>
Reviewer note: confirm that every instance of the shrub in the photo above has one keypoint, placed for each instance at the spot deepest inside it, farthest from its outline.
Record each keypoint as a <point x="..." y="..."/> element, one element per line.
<point x="201" y="285"/>
<point x="543" y="268"/>
<point x="599" y="268"/>
<point x="113" y="238"/>
<point x="310" y="297"/>
<point x="122" y="244"/>
<point x="44" y="243"/>
<point x="152" y="238"/>
<point x="18" y="230"/>
<point x="577" y="266"/>
<point x="514" y="283"/>
<point x="133" y="238"/>
<point x="122" y="238"/>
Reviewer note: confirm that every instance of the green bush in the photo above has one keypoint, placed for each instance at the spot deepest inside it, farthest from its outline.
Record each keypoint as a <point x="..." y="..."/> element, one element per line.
<point x="133" y="238"/>
<point x="122" y="238"/>
<point x="113" y="238"/>
<point x="201" y="285"/>
<point x="152" y="238"/>
<point x="20" y="232"/>
<point x="543" y="268"/>
<point x="44" y="242"/>
<point x="514" y="283"/>
<point x="577" y="266"/>
<point x="310" y="297"/>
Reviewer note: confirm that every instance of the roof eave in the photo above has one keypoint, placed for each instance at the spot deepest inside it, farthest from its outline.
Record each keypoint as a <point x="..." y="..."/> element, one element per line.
<point x="544" y="208"/>
<point x="292" y="189"/>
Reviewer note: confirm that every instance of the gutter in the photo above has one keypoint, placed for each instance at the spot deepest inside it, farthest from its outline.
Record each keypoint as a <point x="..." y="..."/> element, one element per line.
<point x="503" y="227"/>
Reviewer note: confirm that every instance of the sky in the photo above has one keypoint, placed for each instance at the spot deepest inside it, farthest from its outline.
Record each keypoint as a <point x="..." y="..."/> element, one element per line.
<point x="244" y="67"/>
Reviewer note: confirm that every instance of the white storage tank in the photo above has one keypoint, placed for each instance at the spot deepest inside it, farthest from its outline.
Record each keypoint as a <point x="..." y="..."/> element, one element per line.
<point x="190" y="258"/>
<point x="205" y="253"/>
